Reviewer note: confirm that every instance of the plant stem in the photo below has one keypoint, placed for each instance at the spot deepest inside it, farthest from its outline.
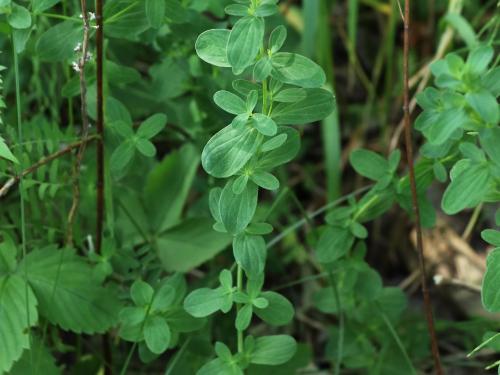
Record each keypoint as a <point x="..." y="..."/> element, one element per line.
<point x="472" y="222"/>
<point x="416" y="210"/>
<point x="100" y="125"/>
<point x="239" y="285"/>
<point x="340" y="341"/>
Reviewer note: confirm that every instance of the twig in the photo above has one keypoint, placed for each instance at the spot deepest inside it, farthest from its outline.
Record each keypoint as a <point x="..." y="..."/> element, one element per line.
<point x="413" y="185"/>
<point x="47" y="159"/>
<point x="80" y="68"/>
<point x="442" y="280"/>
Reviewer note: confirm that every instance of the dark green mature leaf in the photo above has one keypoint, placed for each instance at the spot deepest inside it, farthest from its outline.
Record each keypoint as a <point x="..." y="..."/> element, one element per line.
<point x="273" y="350"/>
<point x="155" y="12"/>
<point x="122" y="156"/>
<point x="211" y="47"/>
<point x="67" y="293"/>
<point x="229" y="150"/>
<point x="41" y="5"/>
<point x="14" y="312"/>
<point x="190" y="244"/>
<point x="369" y="164"/>
<point x="8" y="254"/>
<point x="334" y="243"/>
<point x="279" y="311"/>
<point x="58" y="42"/>
<point x="469" y="184"/>
<point x="36" y="360"/>
<point x="244" y="42"/>
<point x="317" y="105"/>
<point x="297" y="70"/>
<point x="237" y="210"/>
<point x="250" y="253"/>
<point x="490" y="291"/>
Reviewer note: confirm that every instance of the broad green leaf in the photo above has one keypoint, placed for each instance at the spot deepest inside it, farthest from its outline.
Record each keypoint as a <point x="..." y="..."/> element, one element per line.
<point x="238" y="210"/>
<point x="463" y="28"/>
<point x="155" y="12"/>
<point x="274" y="142"/>
<point x="262" y="69"/>
<point x="204" y="302"/>
<point x="479" y="59"/>
<point x="67" y="293"/>
<point x="156" y="334"/>
<point x="277" y="38"/>
<point x="244" y="42"/>
<point x="36" y="360"/>
<point x="243" y="317"/>
<point x="468" y="187"/>
<point x="490" y="139"/>
<point x="369" y="164"/>
<point x="240" y="184"/>
<point x="317" y="105"/>
<point x="41" y="5"/>
<point x="273" y="350"/>
<point x="168" y="185"/>
<point x="230" y="102"/>
<point x="229" y="150"/>
<point x="121" y="157"/>
<point x="334" y="243"/>
<point x="297" y="70"/>
<point x="190" y="244"/>
<point x="141" y="293"/>
<point x="218" y="367"/>
<point x="163" y="298"/>
<point x="265" y="125"/>
<point x="285" y="152"/>
<point x="250" y="253"/>
<point x="152" y="126"/>
<point x="21" y="37"/>
<point x="491" y="236"/>
<point x="490" y="291"/>
<point x="278" y="312"/>
<point x="445" y="125"/>
<point x="128" y="19"/>
<point x="236" y="10"/>
<point x="20" y="17"/>
<point x="265" y="180"/>
<point x="485" y="104"/>
<point x="8" y="254"/>
<point x="14" y="312"/>
<point x="290" y="95"/>
<point x="5" y="152"/>
<point x="211" y="47"/>
<point x="176" y="11"/>
<point x="145" y="147"/>
<point x="266" y="10"/>
<point x="58" y="42"/>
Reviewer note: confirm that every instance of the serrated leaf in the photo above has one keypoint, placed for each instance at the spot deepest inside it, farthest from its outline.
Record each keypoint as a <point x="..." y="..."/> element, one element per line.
<point x="297" y="70"/>
<point x="244" y="42"/>
<point x="211" y="47"/>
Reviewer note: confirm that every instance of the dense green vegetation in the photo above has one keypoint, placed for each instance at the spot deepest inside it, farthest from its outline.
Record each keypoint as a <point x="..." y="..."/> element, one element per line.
<point x="220" y="187"/>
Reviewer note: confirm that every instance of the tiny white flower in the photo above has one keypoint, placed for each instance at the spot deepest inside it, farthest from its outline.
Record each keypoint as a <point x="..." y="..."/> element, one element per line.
<point x="438" y="279"/>
<point x="78" y="47"/>
<point x="91" y="16"/>
<point x="76" y="66"/>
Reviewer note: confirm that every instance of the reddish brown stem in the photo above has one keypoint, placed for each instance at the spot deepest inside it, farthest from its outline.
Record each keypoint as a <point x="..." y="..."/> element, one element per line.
<point x="409" y="154"/>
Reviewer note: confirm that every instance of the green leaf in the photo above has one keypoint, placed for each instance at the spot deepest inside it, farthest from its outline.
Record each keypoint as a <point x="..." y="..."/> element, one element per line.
<point x="145" y="147"/>
<point x="283" y="153"/>
<point x="230" y="102"/>
<point x="463" y="28"/>
<point x="236" y="10"/>
<point x="278" y="312"/>
<point x="273" y="350"/>
<point x="266" y="10"/>
<point x="445" y="125"/>
<point x="244" y="42"/>
<point x="121" y="157"/>
<point x="58" y="42"/>
<point x="240" y="184"/>
<point x="243" y="317"/>
<point x="6" y="153"/>
<point x="163" y="298"/>
<point x="265" y="125"/>
<point x="41" y="5"/>
<point x="8" y="254"/>
<point x="290" y="95"/>
<point x="317" y="105"/>
<point x="277" y="38"/>
<point x="129" y="19"/>
<point x="250" y="253"/>
<point x="229" y="150"/>
<point x="491" y="236"/>
<point x="259" y="229"/>
<point x="490" y="139"/>
<point x="469" y="184"/>
<point x="490" y="291"/>
<point x="141" y="293"/>
<point x="156" y="334"/>
<point x="334" y="243"/>
<point x="211" y="47"/>
<point x="485" y="104"/>
<point x="265" y="180"/>
<point x="14" y="312"/>
<point x="36" y="360"/>
<point x="155" y="12"/>
<point x="152" y="126"/>
<point x="274" y="142"/>
<point x="479" y="59"/>
<point x="190" y="244"/>
<point x="204" y="302"/>
<point x="237" y="210"/>
<point x="297" y="70"/>
<point x="369" y="164"/>
<point x="262" y="69"/>
<point x="20" y="17"/>
<point x="218" y="367"/>
<point x="67" y="293"/>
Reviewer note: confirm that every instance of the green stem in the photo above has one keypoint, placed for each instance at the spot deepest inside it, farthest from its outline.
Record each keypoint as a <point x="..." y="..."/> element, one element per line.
<point x="239" y="285"/>
<point x="340" y="341"/>
<point x="61" y="17"/>
<point x="127" y="361"/>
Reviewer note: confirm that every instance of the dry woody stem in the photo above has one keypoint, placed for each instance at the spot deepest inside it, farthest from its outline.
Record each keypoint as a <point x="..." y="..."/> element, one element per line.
<point x="409" y="153"/>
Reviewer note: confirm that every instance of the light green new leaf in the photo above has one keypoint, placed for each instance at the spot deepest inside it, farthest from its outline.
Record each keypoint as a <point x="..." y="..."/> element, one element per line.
<point x="469" y="184"/>
<point x="58" y="42"/>
<point x="277" y="38"/>
<point x="285" y="152"/>
<point x="5" y="152"/>
<point x="317" y="105"/>
<point x="152" y="126"/>
<point x="266" y="10"/>
<point x="369" y="164"/>
<point x="20" y="17"/>
<point x="278" y="312"/>
<point x="273" y="350"/>
<point x="67" y="293"/>
<point x="334" y="243"/>
<point x="155" y="12"/>
<point x="491" y="236"/>
<point x="243" y="317"/>
<point x="156" y="334"/>
<point x="237" y="210"/>
<point x="244" y="42"/>
<point x="490" y="290"/>
<point x="479" y="59"/>
<point x="211" y="47"/>
<point x="250" y="253"/>
<point x="190" y="244"/>
<point x="485" y="104"/>
<point x="229" y="150"/>
<point x="236" y="10"/>
<point x="297" y="70"/>
<point x="218" y="367"/>
<point x="204" y="302"/>
<point x="265" y="125"/>
<point x="230" y="102"/>
<point x="141" y="293"/>
<point x="274" y="142"/>
<point x="41" y="5"/>
<point x="145" y="147"/>
<point x="14" y="337"/>
<point x="265" y="180"/>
